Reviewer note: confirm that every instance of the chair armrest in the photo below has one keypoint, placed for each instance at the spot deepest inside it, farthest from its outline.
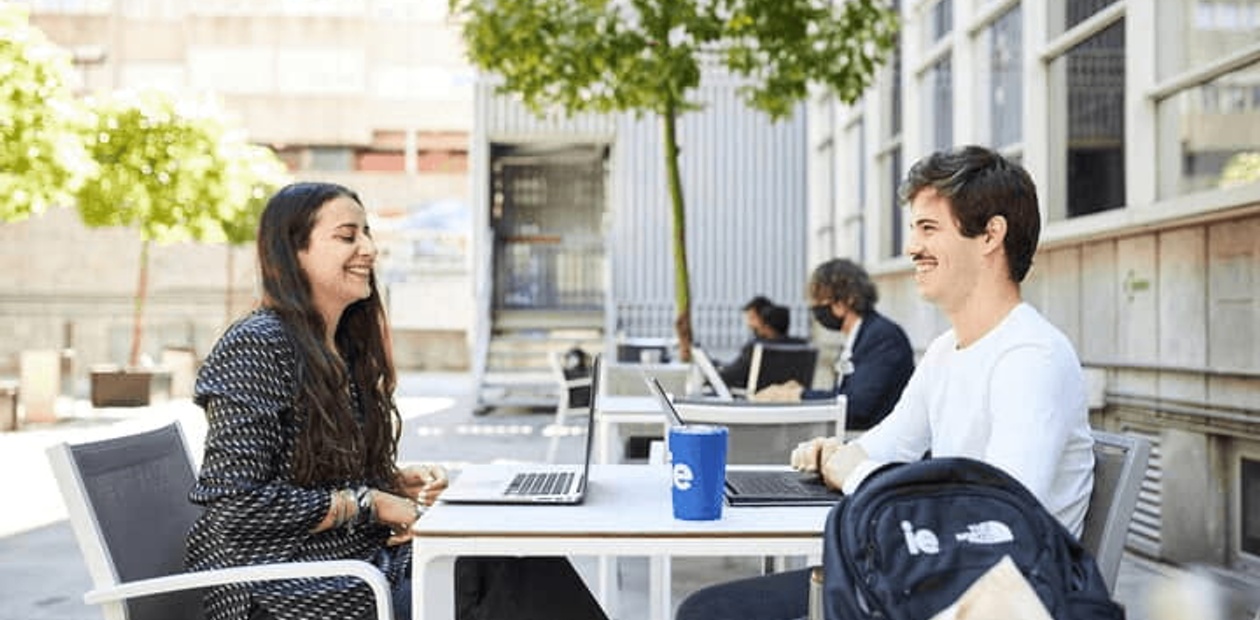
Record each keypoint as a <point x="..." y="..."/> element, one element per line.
<point x="816" y="611"/>
<point x="258" y="572"/>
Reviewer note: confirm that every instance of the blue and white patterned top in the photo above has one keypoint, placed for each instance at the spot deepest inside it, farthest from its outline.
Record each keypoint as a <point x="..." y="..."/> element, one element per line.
<point x="254" y="511"/>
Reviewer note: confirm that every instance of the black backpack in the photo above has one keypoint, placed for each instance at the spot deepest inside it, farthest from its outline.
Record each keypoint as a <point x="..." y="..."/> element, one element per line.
<point x="915" y="536"/>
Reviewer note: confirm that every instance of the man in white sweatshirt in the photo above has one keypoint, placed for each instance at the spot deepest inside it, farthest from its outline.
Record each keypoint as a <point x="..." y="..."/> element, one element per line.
<point x="1002" y="386"/>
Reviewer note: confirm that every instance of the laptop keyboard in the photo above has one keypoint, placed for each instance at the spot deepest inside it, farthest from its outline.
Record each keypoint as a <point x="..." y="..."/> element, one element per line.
<point x="766" y="483"/>
<point x="540" y="483"/>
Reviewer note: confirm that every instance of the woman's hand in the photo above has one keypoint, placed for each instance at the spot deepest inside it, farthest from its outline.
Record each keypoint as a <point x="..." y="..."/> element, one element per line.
<point x="399" y="513"/>
<point x="423" y="482"/>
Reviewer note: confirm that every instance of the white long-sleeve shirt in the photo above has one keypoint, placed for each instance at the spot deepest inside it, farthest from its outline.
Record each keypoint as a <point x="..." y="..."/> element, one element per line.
<point x="1015" y="399"/>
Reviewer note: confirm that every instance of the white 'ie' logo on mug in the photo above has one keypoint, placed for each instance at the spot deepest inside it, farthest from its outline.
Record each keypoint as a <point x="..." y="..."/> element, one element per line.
<point x="683" y="476"/>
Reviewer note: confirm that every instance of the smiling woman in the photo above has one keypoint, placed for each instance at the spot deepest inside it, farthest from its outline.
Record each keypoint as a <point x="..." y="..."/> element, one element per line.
<point x="302" y="439"/>
<point x="302" y="425"/>
<point x="338" y="258"/>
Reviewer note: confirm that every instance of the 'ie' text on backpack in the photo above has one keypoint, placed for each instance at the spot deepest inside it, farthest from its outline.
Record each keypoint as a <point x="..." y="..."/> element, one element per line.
<point x="915" y="536"/>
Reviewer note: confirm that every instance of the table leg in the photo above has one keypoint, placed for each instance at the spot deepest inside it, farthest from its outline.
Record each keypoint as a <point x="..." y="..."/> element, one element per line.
<point x="432" y="587"/>
<point x="660" y="568"/>
<point x="609" y="593"/>
<point x="604" y="445"/>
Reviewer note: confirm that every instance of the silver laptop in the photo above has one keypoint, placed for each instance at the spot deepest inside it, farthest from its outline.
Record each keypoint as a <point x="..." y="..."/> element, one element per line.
<point x="759" y="487"/>
<point x="529" y="483"/>
<point x="720" y="390"/>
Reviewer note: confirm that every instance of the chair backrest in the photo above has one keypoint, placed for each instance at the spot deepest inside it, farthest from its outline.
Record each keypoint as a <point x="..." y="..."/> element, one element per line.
<point x="127" y="498"/>
<point x="765" y="433"/>
<point x="1119" y="468"/>
<point x="643" y="350"/>
<point x="623" y="379"/>
<point x="574" y="385"/>
<point x="778" y="363"/>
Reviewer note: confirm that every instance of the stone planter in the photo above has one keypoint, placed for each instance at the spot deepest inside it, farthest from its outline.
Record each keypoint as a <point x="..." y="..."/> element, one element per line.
<point x="129" y="387"/>
<point x="8" y="406"/>
<point x="40" y="384"/>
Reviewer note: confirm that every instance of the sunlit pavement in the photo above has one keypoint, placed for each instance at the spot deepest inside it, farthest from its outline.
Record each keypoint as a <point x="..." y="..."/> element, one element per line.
<point x="42" y="575"/>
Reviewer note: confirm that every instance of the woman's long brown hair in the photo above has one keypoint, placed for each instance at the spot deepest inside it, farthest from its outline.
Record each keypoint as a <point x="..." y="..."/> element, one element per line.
<point x="332" y="447"/>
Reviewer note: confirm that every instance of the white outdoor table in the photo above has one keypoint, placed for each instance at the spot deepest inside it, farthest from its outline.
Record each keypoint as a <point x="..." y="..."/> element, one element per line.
<point x="627" y="512"/>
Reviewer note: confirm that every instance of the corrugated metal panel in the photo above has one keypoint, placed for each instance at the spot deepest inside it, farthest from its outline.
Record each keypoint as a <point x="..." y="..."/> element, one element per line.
<point x="745" y="191"/>
<point x="504" y="119"/>
<point x="744" y="180"/>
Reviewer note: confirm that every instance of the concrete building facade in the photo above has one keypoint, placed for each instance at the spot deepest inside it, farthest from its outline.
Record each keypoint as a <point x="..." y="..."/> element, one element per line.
<point x="373" y="94"/>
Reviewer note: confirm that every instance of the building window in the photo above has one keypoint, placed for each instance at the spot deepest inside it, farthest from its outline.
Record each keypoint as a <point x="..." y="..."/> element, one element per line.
<point x="1249" y="506"/>
<point x="331" y="159"/>
<point x="888" y="158"/>
<point x="1204" y="31"/>
<point x="855" y="136"/>
<point x="940" y="20"/>
<point x="938" y="113"/>
<point x="896" y="237"/>
<point x="1088" y="81"/>
<point x="1202" y="142"/>
<point x="1068" y="14"/>
<point x="893" y="126"/>
<point x="1002" y="81"/>
<point x="1226" y="15"/>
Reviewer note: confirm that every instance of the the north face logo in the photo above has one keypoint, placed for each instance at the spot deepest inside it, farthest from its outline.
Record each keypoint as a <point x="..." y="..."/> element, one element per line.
<point x="986" y="533"/>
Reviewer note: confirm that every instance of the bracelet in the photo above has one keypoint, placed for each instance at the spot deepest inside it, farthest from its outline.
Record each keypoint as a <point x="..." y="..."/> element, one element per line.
<point x="342" y="502"/>
<point x="367" y="508"/>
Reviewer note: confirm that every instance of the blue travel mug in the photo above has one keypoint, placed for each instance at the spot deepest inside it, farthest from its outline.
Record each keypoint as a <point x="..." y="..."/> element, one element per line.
<point x="698" y="471"/>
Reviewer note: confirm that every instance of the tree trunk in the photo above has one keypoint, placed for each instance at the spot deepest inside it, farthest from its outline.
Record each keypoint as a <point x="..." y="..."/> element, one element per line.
<point x="142" y="291"/>
<point x="682" y="277"/>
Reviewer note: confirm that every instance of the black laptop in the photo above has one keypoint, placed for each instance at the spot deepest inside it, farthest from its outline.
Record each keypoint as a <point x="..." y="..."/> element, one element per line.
<point x="759" y="487"/>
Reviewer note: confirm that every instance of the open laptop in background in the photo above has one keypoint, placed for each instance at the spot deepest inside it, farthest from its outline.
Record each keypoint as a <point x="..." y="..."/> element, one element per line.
<point x="759" y="487"/>
<point x="530" y="483"/>
<point x="711" y="375"/>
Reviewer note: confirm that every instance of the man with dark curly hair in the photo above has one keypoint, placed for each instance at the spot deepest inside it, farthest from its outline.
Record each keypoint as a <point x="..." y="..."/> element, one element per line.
<point x="876" y="361"/>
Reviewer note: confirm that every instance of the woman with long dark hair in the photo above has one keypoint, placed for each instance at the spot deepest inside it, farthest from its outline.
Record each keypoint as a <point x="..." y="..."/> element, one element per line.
<point x="300" y="454"/>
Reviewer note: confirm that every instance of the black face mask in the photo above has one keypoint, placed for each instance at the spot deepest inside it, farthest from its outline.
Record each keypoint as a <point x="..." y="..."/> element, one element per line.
<point x="822" y="314"/>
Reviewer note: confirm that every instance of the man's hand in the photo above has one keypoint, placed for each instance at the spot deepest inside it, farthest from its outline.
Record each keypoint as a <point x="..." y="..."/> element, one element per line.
<point x="841" y="461"/>
<point x="810" y="455"/>
<point x="789" y="392"/>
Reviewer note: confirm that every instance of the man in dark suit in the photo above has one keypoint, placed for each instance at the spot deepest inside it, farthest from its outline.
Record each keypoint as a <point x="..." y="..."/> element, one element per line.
<point x="768" y="322"/>
<point x="876" y="361"/>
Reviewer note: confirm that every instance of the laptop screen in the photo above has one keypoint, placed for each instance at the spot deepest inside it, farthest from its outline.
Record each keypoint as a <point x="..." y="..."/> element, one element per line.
<point x="654" y="385"/>
<point x="590" y="418"/>
<point x="711" y="373"/>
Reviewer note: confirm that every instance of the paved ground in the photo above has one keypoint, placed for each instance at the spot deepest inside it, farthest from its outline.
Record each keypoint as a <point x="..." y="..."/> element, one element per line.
<point x="42" y="576"/>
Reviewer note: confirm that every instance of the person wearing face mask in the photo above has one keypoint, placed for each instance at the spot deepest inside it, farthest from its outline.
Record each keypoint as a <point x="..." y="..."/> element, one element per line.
<point x="876" y="361"/>
<point x="767" y="322"/>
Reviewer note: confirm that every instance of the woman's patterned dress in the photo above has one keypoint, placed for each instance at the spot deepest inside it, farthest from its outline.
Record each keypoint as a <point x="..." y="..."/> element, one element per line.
<point x="254" y="512"/>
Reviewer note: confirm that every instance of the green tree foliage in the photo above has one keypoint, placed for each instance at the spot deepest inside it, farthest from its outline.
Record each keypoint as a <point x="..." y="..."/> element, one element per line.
<point x="42" y="159"/>
<point x="173" y="170"/>
<point x="1240" y="169"/>
<point x="647" y="56"/>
